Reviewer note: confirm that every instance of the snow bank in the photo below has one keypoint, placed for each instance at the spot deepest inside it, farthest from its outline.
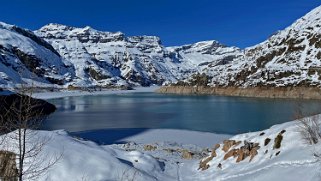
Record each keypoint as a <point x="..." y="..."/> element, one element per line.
<point x="147" y="136"/>
<point x="202" y="139"/>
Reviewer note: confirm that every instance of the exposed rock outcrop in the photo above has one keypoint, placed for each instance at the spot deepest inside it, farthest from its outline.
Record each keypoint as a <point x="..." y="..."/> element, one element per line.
<point x="203" y="165"/>
<point x="277" y="141"/>
<point x="150" y="148"/>
<point x="8" y="166"/>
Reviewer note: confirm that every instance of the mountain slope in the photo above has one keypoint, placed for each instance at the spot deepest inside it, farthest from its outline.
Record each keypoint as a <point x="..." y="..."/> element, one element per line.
<point x="291" y="57"/>
<point x="24" y="56"/>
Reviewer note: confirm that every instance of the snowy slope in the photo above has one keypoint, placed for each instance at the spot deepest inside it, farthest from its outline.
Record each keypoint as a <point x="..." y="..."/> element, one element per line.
<point x="24" y="56"/>
<point x="163" y="160"/>
<point x="294" y="160"/>
<point x="292" y="56"/>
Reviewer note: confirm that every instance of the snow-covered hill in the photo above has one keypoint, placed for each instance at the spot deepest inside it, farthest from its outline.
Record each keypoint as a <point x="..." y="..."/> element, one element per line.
<point x="151" y="158"/>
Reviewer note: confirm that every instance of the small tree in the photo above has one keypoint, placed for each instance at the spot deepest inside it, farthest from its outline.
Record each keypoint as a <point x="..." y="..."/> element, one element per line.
<point x="309" y="127"/>
<point x="21" y="116"/>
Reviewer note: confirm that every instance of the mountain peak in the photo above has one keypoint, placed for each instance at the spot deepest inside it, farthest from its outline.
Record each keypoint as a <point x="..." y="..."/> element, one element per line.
<point x="311" y="20"/>
<point x="72" y="29"/>
<point x="85" y="34"/>
<point x="5" y="25"/>
<point x="55" y="26"/>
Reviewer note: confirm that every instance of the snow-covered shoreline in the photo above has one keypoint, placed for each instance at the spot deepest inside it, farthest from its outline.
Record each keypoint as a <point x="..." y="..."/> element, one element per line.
<point x="69" y="93"/>
<point x="146" y="160"/>
<point x="148" y="136"/>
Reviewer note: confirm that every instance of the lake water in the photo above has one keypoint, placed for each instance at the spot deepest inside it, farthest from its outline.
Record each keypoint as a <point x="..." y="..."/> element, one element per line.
<point x="218" y="114"/>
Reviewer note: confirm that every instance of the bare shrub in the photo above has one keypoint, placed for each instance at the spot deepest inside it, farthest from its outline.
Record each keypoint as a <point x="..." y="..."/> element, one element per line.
<point x="309" y="127"/>
<point x="21" y="117"/>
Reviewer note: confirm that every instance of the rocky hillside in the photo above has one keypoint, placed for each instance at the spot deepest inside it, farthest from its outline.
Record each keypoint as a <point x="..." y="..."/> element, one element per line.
<point x="291" y="57"/>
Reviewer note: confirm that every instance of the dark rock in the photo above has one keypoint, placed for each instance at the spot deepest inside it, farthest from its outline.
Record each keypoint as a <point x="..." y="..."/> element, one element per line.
<point x="30" y="61"/>
<point x="95" y="74"/>
<point x="319" y="56"/>
<point x="55" y="81"/>
<point x="249" y="149"/>
<point x="200" y="79"/>
<point x="267" y="141"/>
<point x="277" y="141"/>
<point x="219" y="166"/>
<point x="31" y="108"/>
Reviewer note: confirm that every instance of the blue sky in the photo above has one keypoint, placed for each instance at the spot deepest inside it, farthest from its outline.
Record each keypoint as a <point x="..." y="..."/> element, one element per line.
<point x="240" y="23"/>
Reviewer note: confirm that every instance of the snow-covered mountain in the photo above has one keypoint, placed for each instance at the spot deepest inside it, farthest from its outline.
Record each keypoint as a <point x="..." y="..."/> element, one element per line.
<point x="289" y="57"/>
<point x="24" y="56"/>
<point x="100" y="57"/>
<point x="85" y="57"/>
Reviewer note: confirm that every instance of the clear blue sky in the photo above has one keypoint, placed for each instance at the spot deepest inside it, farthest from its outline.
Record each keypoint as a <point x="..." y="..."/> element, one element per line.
<point x="232" y="22"/>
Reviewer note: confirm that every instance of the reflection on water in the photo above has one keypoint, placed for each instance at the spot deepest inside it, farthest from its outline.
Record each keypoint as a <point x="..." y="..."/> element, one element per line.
<point x="148" y="110"/>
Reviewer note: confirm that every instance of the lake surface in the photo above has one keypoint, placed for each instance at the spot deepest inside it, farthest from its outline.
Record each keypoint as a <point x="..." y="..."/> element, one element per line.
<point x="218" y="114"/>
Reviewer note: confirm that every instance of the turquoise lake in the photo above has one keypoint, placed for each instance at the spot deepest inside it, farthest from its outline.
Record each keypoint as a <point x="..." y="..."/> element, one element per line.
<point x="217" y="114"/>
